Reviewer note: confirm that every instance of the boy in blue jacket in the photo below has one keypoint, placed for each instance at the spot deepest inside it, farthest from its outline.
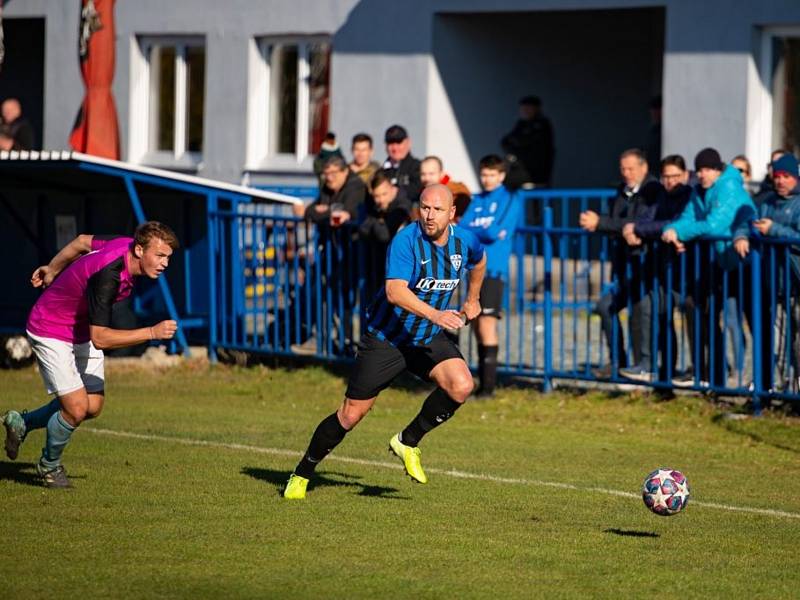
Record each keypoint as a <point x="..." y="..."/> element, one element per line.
<point x="493" y="216"/>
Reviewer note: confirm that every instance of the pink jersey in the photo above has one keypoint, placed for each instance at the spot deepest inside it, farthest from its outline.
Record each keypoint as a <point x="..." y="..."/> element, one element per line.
<point x="84" y="293"/>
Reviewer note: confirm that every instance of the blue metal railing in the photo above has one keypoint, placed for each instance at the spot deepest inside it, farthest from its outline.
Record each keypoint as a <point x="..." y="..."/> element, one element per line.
<point x="280" y="287"/>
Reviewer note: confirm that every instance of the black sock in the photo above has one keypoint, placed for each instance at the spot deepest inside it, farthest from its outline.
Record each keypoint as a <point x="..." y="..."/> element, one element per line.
<point x="327" y="436"/>
<point x="437" y="408"/>
<point x="487" y="368"/>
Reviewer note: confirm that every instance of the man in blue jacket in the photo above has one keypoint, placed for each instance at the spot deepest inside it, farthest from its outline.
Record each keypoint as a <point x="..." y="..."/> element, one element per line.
<point x="493" y="216"/>
<point x="719" y="205"/>
<point x="778" y="217"/>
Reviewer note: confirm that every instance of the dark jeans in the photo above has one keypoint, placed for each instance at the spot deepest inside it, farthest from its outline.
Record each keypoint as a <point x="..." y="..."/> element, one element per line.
<point x="664" y="330"/>
<point x="608" y="308"/>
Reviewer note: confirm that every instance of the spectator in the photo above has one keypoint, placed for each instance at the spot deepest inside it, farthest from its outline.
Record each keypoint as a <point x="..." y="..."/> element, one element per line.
<point x="653" y="143"/>
<point x="431" y="171"/>
<point x="340" y="201"/>
<point x="718" y="206"/>
<point x="636" y="198"/>
<point x="767" y="186"/>
<point x="778" y="217"/>
<point x="530" y="147"/>
<point x="15" y="125"/>
<point x="340" y="197"/>
<point x="741" y="164"/>
<point x="388" y="210"/>
<point x="328" y="149"/>
<point x="362" y="163"/>
<point x="402" y="167"/>
<point x="493" y="216"/>
<point x="647" y="228"/>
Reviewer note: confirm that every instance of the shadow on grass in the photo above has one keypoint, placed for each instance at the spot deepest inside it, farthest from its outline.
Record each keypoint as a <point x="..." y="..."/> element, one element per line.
<point x="20" y="473"/>
<point x="631" y="533"/>
<point x="278" y="480"/>
<point x="740" y="428"/>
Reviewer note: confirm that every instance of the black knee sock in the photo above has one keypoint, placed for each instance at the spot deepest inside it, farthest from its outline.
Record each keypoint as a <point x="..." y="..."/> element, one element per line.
<point x="437" y="408"/>
<point x="327" y="436"/>
<point x="487" y="368"/>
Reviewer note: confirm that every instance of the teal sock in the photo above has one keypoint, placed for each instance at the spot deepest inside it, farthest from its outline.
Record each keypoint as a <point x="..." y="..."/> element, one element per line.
<point x="39" y="417"/>
<point x="58" y="434"/>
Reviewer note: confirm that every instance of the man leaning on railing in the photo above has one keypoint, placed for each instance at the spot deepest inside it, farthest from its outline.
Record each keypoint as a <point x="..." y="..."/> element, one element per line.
<point x="779" y="217"/>
<point x="719" y="205"/>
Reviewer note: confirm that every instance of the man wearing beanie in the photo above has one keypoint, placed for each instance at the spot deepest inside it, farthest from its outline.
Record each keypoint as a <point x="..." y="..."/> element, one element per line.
<point x="718" y="206"/>
<point x="778" y="217"/>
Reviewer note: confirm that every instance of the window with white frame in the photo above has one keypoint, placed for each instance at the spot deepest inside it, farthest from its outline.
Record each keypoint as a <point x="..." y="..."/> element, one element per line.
<point x="168" y="100"/>
<point x="786" y="92"/>
<point x="773" y="100"/>
<point x="289" y="98"/>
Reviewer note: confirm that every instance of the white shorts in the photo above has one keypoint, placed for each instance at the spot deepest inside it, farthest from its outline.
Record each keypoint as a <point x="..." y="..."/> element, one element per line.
<point x="67" y="367"/>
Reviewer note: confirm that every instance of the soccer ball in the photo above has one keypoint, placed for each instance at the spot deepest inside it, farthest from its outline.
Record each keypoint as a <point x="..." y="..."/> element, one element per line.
<point x="665" y="492"/>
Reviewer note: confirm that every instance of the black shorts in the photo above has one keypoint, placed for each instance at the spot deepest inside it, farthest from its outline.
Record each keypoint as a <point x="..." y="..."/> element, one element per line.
<point x="492" y="298"/>
<point x="378" y="362"/>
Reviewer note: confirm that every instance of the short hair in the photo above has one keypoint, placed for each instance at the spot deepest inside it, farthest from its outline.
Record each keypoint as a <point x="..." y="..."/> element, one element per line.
<point x="380" y="177"/>
<point x="676" y="160"/>
<point x="335" y="161"/>
<point x="780" y="151"/>
<point x="150" y="230"/>
<point x="435" y="159"/>
<point x="637" y="152"/>
<point x="362" y="137"/>
<point x="530" y="101"/>
<point x="745" y="160"/>
<point x="492" y="161"/>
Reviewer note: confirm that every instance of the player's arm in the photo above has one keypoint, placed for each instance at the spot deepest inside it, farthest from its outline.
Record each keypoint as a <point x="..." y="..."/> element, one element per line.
<point x="106" y="338"/>
<point x="44" y="275"/>
<point x="472" y="306"/>
<point x="397" y="293"/>
<point x="101" y="293"/>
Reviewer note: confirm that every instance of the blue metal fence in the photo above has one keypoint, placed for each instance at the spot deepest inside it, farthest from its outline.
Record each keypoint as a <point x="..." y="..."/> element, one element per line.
<point x="280" y="287"/>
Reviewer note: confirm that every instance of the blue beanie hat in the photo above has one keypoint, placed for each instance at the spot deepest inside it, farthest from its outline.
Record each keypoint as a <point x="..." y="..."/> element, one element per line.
<point x="787" y="164"/>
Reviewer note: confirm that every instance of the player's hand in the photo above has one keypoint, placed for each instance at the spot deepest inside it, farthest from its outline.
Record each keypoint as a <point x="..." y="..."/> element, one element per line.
<point x="471" y="309"/>
<point x="763" y="225"/>
<point x="449" y="319"/>
<point x="164" y="330"/>
<point x="589" y="220"/>
<point x="742" y="246"/>
<point x="43" y="277"/>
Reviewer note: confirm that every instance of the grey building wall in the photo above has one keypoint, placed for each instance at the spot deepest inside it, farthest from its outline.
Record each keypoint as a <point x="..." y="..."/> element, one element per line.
<point x="451" y="71"/>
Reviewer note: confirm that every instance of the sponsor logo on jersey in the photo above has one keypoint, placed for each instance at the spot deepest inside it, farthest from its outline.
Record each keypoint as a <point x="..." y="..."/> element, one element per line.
<point x="429" y="284"/>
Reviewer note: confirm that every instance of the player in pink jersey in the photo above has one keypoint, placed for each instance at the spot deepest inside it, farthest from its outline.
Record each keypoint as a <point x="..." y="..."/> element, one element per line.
<point x="70" y="326"/>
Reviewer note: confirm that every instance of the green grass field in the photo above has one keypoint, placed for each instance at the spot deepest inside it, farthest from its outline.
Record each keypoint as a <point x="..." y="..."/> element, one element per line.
<point x="176" y="494"/>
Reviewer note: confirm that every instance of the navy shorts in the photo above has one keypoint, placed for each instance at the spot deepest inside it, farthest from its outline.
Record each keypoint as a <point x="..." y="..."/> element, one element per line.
<point x="378" y="362"/>
<point x="492" y="298"/>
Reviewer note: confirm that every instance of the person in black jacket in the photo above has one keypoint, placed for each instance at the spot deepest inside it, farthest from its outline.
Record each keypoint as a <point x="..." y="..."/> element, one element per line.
<point x="339" y="203"/>
<point x="400" y="165"/>
<point x="647" y="230"/>
<point x="388" y="210"/>
<point x="635" y="198"/>
<point x="530" y="147"/>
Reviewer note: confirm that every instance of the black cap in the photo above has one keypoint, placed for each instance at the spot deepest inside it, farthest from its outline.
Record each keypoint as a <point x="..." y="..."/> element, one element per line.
<point x="395" y="134"/>
<point x="530" y="101"/>
<point x="708" y="158"/>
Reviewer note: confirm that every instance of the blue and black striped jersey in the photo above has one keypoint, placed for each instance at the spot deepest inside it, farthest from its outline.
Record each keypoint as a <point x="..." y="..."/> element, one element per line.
<point x="433" y="272"/>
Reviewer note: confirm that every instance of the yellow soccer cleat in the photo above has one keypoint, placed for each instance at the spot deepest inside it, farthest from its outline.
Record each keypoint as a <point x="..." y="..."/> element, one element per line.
<point x="410" y="457"/>
<point x="295" y="488"/>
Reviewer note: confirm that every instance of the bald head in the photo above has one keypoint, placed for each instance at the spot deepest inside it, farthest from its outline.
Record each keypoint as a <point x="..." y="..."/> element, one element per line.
<point x="438" y="190"/>
<point x="11" y="110"/>
<point x="436" y="210"/>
